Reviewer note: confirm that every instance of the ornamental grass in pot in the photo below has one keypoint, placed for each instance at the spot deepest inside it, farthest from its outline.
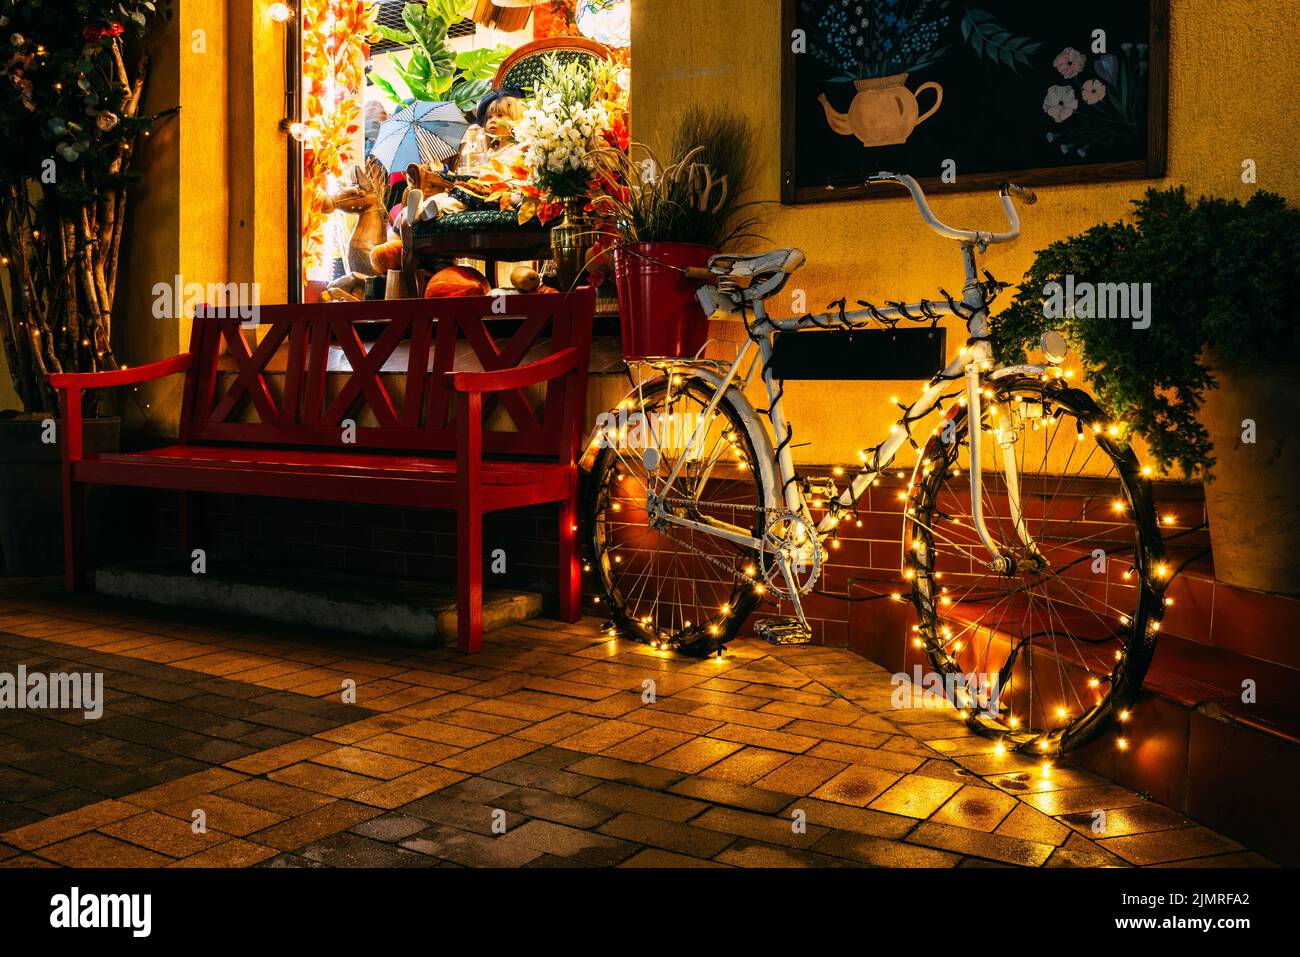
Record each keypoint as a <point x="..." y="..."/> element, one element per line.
<point x="1211" y="381"/>
<point x="669" y="218"/>
<point x="71" y="84"/>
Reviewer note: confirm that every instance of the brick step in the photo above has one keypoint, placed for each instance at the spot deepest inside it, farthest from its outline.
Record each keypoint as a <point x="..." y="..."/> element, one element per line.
<point x="1192" y="741"/>
<point x="1186" y="672"/>
<point x="419" y="613"/>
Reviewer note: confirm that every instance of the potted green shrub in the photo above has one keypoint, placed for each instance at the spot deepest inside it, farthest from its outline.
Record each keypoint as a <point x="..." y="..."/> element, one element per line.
<point x="1209" y="383"/>
<point x="672" y="218"/>
<point x="72" y="83"/>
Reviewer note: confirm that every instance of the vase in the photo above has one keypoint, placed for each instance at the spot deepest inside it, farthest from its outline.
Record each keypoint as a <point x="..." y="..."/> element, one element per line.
<point x="1251" y="505"/>
<point x="884" y="112"/>
<point x="571" y="242"/>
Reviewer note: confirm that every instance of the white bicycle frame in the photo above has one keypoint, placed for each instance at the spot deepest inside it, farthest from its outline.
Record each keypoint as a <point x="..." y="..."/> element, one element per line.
<point x="975" y="364"/>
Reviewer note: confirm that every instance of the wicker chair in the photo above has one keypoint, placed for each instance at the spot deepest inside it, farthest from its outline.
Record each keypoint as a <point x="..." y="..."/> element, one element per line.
<point x="522" y="67"/>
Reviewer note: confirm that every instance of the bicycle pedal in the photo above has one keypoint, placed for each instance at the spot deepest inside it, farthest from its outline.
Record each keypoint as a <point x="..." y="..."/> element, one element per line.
<point x="782" y="631"/>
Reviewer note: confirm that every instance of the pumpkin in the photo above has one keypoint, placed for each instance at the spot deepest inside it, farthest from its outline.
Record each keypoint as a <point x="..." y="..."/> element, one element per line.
<point x="457" y="281"/>
<point x="386" y="256"/>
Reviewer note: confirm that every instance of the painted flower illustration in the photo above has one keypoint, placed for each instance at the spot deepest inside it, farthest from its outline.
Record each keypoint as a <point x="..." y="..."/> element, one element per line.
<point x="1060" y="103"/>
<point x="1069" y="62"/>
<point x="1105" y="108"/>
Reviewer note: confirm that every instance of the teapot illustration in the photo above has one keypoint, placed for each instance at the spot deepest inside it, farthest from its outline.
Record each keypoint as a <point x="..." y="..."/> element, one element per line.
<point x="884" y="112"/>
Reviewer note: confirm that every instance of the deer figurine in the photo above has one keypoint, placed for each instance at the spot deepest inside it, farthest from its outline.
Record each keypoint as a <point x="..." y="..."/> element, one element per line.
<point x="363" y="196"/>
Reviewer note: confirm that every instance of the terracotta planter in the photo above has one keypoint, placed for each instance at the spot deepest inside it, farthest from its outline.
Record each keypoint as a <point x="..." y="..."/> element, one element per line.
<point x="1253" y="506"/>
<point x="658" y="313"/>
<point x="31" y="505"/>
<point x="884" y="112"/>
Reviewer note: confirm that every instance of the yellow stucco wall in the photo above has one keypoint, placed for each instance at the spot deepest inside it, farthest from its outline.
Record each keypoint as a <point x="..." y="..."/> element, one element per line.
<point x="1233" y="68"/>
<point x="211" y="206"/>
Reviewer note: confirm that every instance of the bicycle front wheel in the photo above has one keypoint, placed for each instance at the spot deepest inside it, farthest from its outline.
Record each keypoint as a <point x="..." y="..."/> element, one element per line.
<point x="1049" y="651"/>
<point x="668" y="584"/>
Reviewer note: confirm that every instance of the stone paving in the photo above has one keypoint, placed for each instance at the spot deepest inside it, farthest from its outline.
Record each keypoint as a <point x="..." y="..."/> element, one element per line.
<point x="547" y="749"/>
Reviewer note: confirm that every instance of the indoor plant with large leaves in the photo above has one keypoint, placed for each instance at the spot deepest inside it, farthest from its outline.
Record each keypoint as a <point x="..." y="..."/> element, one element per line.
<point x="1210" y="382"/>
<point x="71" y="82"/>
<point x="433" y="71"/>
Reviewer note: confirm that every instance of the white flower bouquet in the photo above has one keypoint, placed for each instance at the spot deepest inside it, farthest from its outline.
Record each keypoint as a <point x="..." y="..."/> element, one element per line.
<point x="564" y="123"/>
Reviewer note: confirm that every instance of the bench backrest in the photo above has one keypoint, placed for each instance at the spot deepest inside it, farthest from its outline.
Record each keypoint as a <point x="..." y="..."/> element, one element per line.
<point x="307" y="371"/>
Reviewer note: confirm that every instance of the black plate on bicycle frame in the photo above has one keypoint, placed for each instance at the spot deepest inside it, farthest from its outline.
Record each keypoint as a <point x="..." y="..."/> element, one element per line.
<point x="859" y="354"/>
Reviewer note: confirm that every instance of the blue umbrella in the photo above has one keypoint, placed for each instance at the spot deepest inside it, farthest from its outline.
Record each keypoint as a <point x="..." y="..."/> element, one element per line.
<point x="420" y="132"/>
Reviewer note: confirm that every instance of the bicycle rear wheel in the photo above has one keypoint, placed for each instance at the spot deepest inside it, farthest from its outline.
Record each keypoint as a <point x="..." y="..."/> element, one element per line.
<point x="1050" y="652"/>
<point x="666" y="584"/>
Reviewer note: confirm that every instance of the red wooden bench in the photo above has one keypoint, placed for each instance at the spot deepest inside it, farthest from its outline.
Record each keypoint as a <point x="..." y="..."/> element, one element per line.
<point x="268" y="414"/>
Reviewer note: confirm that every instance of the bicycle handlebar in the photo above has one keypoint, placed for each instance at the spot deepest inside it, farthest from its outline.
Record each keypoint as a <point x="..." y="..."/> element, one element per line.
<point x="963" y="235"/>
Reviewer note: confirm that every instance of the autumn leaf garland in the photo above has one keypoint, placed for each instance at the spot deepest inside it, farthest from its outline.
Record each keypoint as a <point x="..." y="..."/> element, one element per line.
<point x="335" y="45"/>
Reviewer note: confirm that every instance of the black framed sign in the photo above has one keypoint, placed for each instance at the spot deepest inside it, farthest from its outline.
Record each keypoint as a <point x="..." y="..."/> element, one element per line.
<point x="966" y="94"/>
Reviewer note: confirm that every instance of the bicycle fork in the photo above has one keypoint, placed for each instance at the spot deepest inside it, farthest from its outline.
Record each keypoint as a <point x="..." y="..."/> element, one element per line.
<point x="974" y="416"/>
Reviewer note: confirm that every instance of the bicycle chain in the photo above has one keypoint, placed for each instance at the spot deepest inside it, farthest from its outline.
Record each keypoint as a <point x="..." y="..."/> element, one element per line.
<point x="713" y="559"/>
<point x="780" y="514"/>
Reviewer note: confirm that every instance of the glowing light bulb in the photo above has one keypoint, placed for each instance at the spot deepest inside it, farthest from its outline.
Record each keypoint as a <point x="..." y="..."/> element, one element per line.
<point x="279" y="12"/>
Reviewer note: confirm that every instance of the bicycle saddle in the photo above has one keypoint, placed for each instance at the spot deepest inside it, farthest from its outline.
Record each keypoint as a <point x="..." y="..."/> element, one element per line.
<point x="745" y="268"/>
<point x="750" y="278"/>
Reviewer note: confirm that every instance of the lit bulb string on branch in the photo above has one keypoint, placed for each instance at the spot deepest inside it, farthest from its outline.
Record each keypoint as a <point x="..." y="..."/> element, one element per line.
<point x="103" y="350"/>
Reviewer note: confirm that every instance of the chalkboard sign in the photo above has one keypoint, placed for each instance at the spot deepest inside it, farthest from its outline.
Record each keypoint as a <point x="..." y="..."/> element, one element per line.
<point x="967" y="94"/>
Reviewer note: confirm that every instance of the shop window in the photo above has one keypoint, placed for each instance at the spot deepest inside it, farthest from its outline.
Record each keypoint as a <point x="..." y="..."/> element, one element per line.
<point x="390" y="86"/>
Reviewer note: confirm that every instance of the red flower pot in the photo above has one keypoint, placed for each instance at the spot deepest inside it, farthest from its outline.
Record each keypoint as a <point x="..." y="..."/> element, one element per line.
<point x="658" y="312"/>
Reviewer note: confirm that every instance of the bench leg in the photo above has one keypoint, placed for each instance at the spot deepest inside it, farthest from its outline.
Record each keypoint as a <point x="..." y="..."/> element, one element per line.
<point x="570" y="576"/>
<point x="74" y="535"/>
<point x="469" y="578"/>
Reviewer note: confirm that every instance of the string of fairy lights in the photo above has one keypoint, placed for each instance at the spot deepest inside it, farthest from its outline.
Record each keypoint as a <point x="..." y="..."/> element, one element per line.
<point x="1049" y="741"/>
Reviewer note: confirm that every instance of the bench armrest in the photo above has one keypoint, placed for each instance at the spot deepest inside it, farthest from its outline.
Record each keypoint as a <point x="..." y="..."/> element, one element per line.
<point x="74" y="383"/>
<point x="125" y="376"/>
<point x="543" y="370"/>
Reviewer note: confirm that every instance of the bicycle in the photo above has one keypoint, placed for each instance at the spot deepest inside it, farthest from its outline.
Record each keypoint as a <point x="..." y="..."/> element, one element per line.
<point x="702" y="516"/>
